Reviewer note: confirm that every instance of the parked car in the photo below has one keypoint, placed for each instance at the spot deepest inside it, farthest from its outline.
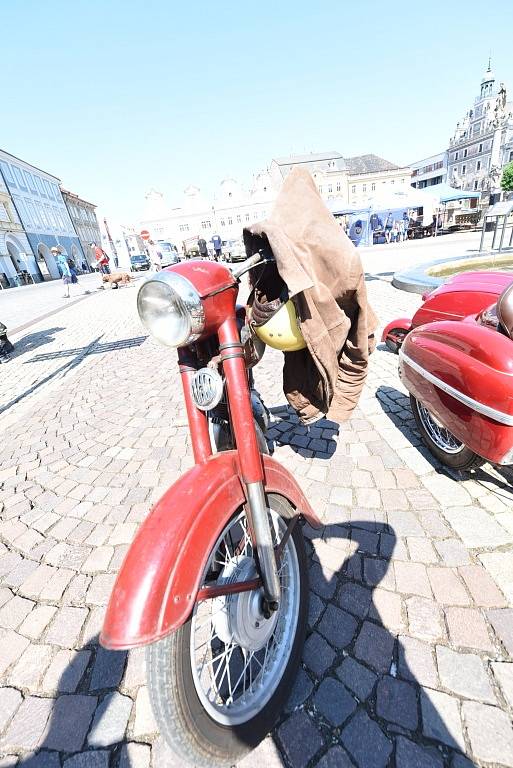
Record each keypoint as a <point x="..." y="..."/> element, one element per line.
<point x="233" y="250"/>
<point x="139" y="262"/>
<point x="169" y="253"/>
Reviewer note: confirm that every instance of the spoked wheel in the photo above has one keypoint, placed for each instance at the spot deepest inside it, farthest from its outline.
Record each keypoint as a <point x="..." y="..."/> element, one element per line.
<point x="219" y="683"/>
<point x="442" y="443"/>
<point x="394" y="339"/>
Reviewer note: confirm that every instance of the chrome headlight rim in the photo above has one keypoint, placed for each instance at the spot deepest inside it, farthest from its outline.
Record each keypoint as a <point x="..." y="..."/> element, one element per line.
<point x="186" y="298"/>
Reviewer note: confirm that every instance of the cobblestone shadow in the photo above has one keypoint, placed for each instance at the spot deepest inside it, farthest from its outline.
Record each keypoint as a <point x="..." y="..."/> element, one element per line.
<point x="315" y="441"/>
<point x="33" y="341"/>
<point x="365" y="695"/>
<point x="99" y="348"/>
<point x="86" y="723"/>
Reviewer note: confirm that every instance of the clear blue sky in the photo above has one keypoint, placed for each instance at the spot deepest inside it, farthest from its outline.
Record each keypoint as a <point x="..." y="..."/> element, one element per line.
<point x="116" y="96"/>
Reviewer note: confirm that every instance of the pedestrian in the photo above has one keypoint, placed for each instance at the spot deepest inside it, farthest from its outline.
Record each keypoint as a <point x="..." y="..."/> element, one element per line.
<point x="155" y="256"/>
<point x="101" y="259"/>
<point x="388" y="226"/>
<point x="406" y="225"/>
<point x="202" y="248"/>
<point x="65" y="270"/>
<point x="217" y="243"/>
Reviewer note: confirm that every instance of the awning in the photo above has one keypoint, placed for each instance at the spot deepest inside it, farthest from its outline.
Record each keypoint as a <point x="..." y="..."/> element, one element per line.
<point x="444" y="193"/>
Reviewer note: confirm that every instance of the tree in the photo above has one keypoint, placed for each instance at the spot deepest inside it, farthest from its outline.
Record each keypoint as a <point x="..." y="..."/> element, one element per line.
<point x="507" y="178"/>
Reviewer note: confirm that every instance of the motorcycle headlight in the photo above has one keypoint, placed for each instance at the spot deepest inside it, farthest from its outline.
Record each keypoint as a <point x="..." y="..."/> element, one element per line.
<point x="170" y="308"/>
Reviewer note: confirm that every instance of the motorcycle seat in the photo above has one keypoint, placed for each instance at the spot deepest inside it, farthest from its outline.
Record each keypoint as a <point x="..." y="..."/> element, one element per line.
<point x="505" y="311"/>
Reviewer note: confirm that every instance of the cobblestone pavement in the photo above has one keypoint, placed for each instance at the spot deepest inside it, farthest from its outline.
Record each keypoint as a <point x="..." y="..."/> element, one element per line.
<point x="408" y="661"/>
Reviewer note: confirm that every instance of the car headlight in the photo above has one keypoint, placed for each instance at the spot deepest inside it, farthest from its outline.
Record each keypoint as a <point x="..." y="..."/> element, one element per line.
<point x="170" y="308"/>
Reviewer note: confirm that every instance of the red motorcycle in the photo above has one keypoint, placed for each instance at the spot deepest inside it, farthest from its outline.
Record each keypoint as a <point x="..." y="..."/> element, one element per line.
<point x="460" y="379"/>
<point x="215" y="583"/>
<point x="462" y="295"/>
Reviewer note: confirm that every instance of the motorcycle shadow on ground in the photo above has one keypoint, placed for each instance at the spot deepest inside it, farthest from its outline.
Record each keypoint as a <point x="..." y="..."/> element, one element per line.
<point x="493" y="477"/>
<point x="365" y="694"/>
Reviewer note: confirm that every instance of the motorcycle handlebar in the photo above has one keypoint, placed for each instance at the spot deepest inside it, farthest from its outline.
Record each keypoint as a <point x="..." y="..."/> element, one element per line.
<point x="257" y="258"/>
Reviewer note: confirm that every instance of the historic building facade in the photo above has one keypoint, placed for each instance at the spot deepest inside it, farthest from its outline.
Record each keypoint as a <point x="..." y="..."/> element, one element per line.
<point x="483" y="140"/>
<point x="38" y="202"/>
<point x="352" y="180"/>
<point x="233" y="207"/>
<point x="83" y="216"/>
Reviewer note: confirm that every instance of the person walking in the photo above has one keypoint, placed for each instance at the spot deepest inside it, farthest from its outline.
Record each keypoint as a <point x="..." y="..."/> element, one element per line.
<point x="155" y="256"/>
<point x="218" y="244"/>
<point x="65" y="270"/>
<point x="101" y="259"/>
<point x="202" y="248"/>
<point x="388" y="226"/>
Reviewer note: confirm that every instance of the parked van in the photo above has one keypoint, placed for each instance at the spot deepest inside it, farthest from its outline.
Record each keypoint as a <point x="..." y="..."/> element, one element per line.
<point x="169" y="252"/>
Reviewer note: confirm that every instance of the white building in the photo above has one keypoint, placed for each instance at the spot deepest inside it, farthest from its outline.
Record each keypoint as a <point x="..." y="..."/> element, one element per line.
<point x="352" y="180"/>
<point x="429" y="171"/>
<point x="483" y="140"/>
<point x="233" y="207"/>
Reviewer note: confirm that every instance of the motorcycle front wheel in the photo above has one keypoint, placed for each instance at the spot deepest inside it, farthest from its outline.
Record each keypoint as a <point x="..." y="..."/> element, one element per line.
<point x="218" y="684"/>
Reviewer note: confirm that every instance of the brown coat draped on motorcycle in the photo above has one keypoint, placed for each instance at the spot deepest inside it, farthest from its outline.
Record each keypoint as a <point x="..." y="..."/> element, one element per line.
<point x="325" y="279"/>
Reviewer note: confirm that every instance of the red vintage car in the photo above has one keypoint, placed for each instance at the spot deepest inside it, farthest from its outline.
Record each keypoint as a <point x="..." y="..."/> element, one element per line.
<point x="460" y="374"/>
<point x="462" y="295"/>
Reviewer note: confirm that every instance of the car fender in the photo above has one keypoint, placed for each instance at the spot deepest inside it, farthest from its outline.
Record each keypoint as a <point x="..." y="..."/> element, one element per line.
<point x="157" y="584"/>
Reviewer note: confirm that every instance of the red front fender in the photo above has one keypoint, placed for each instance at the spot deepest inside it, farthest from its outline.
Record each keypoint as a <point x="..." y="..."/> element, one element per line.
<point x="400" y="323"/>
<point x="156" y="587"/>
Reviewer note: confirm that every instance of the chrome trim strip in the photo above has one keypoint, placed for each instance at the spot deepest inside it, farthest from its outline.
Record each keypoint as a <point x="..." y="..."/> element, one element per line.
<point x="485" y="410"/>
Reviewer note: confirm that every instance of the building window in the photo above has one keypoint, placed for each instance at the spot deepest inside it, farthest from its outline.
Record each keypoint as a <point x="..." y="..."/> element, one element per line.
<point x="364" y="188"/>
<point x="238" y="219"/>
<point x="320" y="190"/>
<point x="480" y="148"/>
<point x="183" y="227"/>
<point x="223" y="224"/>
<point x="465" y="153"/>
<point x="230" y="220"/>
<point x="456" y="155"/>
<point x="475" y="185"/>
<point x="338" y="186"/>
<point x="206" y="224"/>
<point x="353" y="189"/>
<point x="19" y="177"/>
<point x="463" y="170"/>
<point x="373" y="187"/>
<point x="330" y="188"/>
<point x="247" y="217"/>
<point x="478" y="165"/>
<point x="511" y="157"/>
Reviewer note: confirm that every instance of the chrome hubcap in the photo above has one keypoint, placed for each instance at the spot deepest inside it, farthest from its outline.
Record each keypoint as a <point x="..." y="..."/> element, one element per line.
<point x="439" y="434"/>
<point x="238" y="657"/>
<point x="240" y="617"/>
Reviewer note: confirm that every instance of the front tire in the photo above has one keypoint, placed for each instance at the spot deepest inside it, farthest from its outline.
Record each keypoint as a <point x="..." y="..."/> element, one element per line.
<point x="214" y="707"/>
<point x="442" y="443"/>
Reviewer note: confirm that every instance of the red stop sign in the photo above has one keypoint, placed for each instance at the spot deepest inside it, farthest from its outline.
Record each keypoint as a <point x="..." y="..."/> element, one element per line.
<point x="145" y="234"/>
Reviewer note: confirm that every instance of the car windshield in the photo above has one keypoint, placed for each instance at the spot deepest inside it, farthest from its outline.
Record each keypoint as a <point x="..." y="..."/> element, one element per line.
<point x="141" y="257"/>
